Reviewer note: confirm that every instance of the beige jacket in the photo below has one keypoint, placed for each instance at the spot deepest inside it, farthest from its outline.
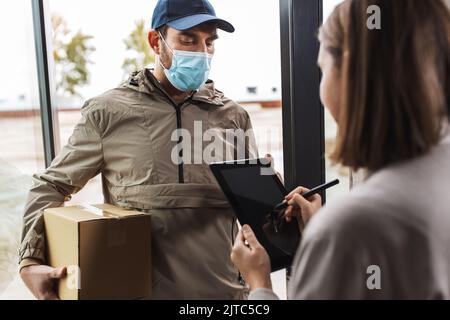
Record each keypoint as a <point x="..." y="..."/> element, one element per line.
<point x="126" y="136"/>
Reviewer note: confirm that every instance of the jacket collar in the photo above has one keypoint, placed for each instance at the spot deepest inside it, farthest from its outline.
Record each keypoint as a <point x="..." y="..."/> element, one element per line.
<point x="143" y="81"/>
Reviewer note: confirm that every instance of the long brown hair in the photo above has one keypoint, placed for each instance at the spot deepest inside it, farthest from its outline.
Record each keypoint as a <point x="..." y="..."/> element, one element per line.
<point x="396" y="80"/>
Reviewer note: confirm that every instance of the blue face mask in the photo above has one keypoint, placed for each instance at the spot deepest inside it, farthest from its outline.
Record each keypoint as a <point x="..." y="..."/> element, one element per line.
<point x="189" y="70"/>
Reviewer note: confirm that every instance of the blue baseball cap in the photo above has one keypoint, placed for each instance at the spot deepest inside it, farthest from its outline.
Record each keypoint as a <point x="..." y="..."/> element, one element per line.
<point x="186" y="14"/>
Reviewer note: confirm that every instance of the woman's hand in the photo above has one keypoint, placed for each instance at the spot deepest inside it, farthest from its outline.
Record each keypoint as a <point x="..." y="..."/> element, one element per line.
<point x="301" y="208"/>
<point x="251" y="259"/>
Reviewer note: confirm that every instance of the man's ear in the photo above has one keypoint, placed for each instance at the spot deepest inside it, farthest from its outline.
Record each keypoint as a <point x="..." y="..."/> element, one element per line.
<point x="153" y="40"/>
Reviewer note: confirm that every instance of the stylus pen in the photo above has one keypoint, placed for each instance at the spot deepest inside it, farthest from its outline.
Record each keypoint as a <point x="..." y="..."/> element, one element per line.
<point x="310" y="193"/>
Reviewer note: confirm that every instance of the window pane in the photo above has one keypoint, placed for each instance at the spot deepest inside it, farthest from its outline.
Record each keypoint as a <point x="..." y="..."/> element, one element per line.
<point x="246" y="66"/>
<point x="333" y="171"/>
<point x="248" y="70"/>
<point x="21" y="146"/>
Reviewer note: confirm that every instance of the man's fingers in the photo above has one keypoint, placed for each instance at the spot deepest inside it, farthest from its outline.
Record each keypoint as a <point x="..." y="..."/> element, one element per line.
<point x="249" y="235"/>
<point x="269" y="160"/>
<point x="58" y="273"/>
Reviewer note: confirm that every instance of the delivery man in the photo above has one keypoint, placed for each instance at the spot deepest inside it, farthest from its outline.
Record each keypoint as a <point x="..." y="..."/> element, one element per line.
<point x="126" y="134"/>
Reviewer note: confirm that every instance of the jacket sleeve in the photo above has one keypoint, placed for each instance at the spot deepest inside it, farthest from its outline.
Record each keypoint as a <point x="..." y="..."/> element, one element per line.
<point x="340" y="245"/>
<point x="79" y="161"/>
<point x="262" y="294"/>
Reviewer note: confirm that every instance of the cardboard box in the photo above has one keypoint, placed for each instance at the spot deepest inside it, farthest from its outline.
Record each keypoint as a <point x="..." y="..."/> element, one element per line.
<point x="106" y="249"/>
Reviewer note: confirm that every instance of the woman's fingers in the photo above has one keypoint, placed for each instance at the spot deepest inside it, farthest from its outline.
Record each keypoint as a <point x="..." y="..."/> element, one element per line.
<point x="301" y="224"/>
<point x="300" y="207"/>
<point x="252" y="260"/>
<point x="298" y="200"/>
<point x="291" y="212"/>
<point x="239" y="247"/>
<point x="239" y="238"/>
<point x="249" y="235"/>
<point x="288" y="214"/>
<point x="298" y="190"/>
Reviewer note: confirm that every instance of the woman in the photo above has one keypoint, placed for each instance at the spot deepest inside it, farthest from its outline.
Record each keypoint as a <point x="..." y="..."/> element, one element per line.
<point x="389" y="92"/>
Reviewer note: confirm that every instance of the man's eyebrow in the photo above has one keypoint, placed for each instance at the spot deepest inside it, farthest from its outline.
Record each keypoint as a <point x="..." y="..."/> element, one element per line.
<point x="190" y="34"/>
<point x="187" y="34"/>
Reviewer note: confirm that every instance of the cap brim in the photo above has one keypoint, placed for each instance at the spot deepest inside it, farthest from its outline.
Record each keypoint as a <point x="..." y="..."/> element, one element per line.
<point x="197" y="19"/>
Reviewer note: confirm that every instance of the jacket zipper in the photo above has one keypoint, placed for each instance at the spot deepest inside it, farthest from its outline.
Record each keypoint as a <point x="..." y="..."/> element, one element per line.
<point x="180" y="140"/>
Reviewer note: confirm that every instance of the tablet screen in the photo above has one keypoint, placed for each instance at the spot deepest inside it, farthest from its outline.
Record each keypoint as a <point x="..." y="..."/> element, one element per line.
<point x="252" y="190"/>
<point x="253" y="196"/>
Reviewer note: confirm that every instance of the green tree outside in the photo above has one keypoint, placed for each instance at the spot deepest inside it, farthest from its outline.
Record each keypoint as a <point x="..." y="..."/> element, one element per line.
<point x="138" y="49"/>
<point x="71" y="57"/>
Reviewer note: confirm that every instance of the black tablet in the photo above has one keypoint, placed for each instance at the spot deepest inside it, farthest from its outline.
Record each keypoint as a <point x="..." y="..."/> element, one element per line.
<point x="253" y="189"/>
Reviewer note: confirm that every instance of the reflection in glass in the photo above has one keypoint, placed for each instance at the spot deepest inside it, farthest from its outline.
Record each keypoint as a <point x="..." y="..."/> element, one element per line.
<point x="21" y="146"/>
